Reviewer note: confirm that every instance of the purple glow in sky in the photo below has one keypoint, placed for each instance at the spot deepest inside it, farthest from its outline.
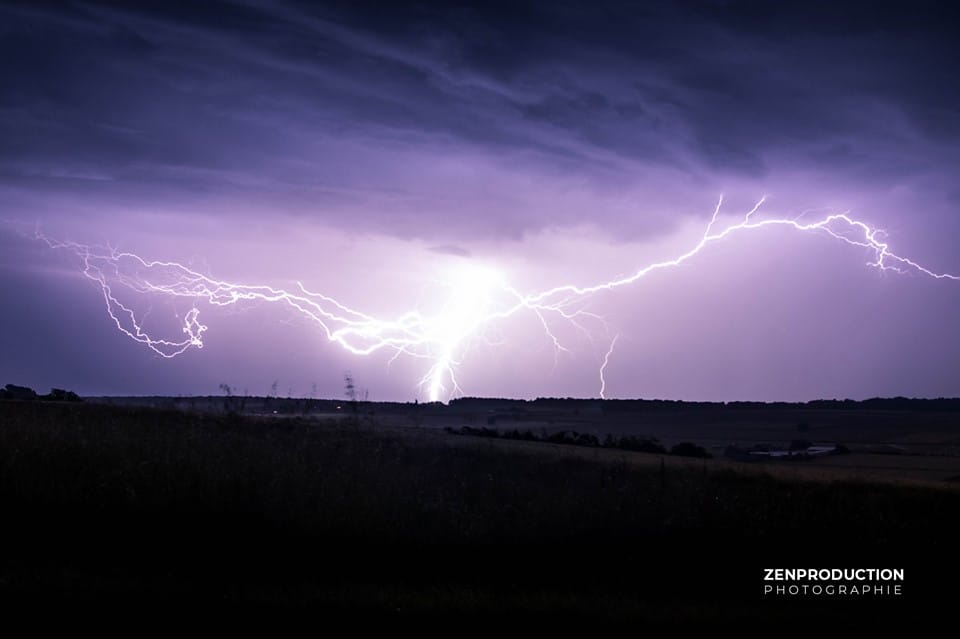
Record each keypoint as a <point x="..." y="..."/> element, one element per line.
<point x="431" y="171"/>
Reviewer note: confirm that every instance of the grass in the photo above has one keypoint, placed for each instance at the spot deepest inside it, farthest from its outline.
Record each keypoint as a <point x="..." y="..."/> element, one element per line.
<point x="152" y="506"/>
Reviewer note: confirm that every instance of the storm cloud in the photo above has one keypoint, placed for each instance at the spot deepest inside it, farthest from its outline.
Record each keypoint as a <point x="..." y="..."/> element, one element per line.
<point x="332" y="141"/>
<point x="414" y="119"/>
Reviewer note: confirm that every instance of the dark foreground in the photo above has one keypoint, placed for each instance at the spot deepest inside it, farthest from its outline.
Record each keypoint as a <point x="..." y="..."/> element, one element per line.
<point x="149" y="510"/>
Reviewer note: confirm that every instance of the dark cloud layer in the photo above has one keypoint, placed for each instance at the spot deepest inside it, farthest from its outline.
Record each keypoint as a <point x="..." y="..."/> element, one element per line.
<point x="282" y="103"/>
<point x="377" y="151"/>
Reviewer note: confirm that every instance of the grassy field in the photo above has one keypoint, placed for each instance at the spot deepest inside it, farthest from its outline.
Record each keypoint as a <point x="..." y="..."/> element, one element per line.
<point x="159" y="507"/>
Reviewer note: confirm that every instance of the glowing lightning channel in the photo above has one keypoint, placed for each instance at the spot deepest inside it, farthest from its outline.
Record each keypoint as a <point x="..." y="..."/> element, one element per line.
<point x="603" y="367"/>
<point x="480" y="297"/>
<point x="834" y="225"/>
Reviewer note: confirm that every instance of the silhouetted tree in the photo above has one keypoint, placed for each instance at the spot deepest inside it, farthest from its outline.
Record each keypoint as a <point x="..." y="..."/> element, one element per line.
<point x="586" y="439"/>
<point x="227" y="397"/>
<point x="350" y="391"/>
<point x="12" y="391"/>
<point x="641" y="445"/>
<point x="689" y="449"/>
<point x="61" y="395"/>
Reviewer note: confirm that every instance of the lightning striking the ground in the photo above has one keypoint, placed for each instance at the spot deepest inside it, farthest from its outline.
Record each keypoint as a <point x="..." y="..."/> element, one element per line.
<point x="603" y="366"/>
<point x="479" y="298"/>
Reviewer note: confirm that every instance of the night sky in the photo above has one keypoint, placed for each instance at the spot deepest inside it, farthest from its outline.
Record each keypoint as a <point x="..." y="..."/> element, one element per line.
<point x="376" y="153"/>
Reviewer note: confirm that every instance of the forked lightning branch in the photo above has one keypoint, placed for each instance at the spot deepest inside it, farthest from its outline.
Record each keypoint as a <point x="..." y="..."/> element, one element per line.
<point x="443" y="340"/>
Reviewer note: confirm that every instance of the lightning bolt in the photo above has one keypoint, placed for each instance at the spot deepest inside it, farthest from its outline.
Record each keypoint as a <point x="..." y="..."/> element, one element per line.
<point x="603" y="367"/>
<point x="479" y="298"/>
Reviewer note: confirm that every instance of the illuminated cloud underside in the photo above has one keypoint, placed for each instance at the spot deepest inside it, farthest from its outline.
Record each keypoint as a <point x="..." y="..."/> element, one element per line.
<point x="479" y="297"/>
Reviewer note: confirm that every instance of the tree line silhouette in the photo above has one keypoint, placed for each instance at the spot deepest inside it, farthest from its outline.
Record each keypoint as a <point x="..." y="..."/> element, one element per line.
<point x="573" y="438"/>
<point x="24" y="393"/>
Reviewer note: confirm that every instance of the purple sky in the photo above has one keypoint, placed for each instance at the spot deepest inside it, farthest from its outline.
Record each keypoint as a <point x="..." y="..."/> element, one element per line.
<point x="375" y="153"/>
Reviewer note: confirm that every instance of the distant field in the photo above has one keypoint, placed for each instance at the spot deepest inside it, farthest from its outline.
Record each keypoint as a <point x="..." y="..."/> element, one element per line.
<point x="920" y="443"/>
<point x="161" y="507"/>
<point x="941" y="472"/>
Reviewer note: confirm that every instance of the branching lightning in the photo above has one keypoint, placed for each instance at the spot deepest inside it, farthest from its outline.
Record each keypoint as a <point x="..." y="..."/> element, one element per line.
<point x="479" y="298"/>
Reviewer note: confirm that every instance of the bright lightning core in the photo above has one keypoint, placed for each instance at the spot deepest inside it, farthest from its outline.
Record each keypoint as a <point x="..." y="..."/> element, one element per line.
<point x="472" y="299"/>
<point x="477" y="297"/>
